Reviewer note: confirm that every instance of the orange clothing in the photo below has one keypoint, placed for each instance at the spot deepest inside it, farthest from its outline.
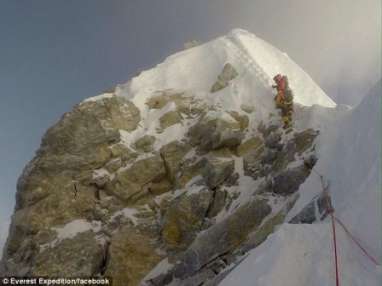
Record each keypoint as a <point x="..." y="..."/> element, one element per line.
<point x="281" y="86"/>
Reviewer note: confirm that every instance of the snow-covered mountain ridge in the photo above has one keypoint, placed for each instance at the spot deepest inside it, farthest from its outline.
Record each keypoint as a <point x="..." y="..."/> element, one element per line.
<point x="256" y="61"/>
<point x="185" y="176"/>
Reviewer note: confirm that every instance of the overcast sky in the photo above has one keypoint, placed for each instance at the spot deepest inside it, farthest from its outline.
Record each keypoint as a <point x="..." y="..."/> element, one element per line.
<point x="55" y="53"/>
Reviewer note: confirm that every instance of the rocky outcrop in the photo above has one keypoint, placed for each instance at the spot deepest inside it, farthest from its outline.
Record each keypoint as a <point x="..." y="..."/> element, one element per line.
<point x="172" y="155"/>
<point x="216" y="241"/>
<point x="84" y="252"/>
<point x="107" y="194"/>
<point x="145" y="144"/>
<point x="288" y="181"/>
<point x="184" y="102"/>
<point x="217" y="170"/>
<point x="142" y="177"/>
<point x="216" y="133"/>
<point x="169" y="119"/>
<point x="184" y="218"/>
<point x="56" y="186"/>
<point x="228" y="73"/>
<point x="315" y="211"/>
<point x="132" y="254"/>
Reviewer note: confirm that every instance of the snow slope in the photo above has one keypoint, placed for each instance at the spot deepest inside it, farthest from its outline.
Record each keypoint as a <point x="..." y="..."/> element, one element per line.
<point x="302" y="255"/>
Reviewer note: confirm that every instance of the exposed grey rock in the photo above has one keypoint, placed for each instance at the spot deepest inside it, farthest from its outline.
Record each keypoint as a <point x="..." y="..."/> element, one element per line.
<point x="289" y="181"/>
<point x="132" y="254"/>
<point x="154" y="204"/>
<point x="273" y="141"/>
<point x="269" y="156"/>
<point x="143" y="177"/>
<point x="267" y="130"/>
<point x="78" y="142"/>
<point x="254" y="144"/>
<point x="145" y="143"/>
<point x="247" y="108"/>
<point x="307" y="215"/>
<point x="228" y="74"/>
<point x="184" y="218"/>
<point x="242" y="119"/>
<point x="91" y="124"/>
<point x="83" y="251"/>
<point x="232" y="180"/>
<point x="121" y="151"/>
<point x="252" y="163"/>
<point x="172" y="155"/>
<point x="169" y="119"/>
<point x="210" y="134"/>
<point x="218" y="202"/>
<point x="216" y="171"/>
<point x="2" y="268"/>
<point x="304" y="140"/>
<point x="114" y="165"/>
<point x="100" y="178"/>
<point x="219" y="239"/>
<point x="198" y="278"/>
<point x="315" y="210"/>
<point x="185" y="103"/>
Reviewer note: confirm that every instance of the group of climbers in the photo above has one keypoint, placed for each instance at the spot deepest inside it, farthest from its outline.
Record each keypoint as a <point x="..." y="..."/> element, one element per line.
<point x="284" y="99"/>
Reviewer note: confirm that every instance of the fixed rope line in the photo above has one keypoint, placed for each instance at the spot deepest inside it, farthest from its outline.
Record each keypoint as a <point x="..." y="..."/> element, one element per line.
<point x="335" y="219"/>
<point x="330" y="211"/>
<point x="352" y="237"/>
<point x="356" y="241"/>
<point x="335" y="248"/>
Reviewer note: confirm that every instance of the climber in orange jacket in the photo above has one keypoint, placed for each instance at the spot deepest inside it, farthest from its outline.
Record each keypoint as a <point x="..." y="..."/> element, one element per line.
<point x="284" y="99"/>
<point x="281" y="86"/>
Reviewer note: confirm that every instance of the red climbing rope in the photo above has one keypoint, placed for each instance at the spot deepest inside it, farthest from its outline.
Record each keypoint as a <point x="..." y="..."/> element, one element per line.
<point x="356" y="241"/>
<point x="335" y="249"/>
<point x="330" y="210"/>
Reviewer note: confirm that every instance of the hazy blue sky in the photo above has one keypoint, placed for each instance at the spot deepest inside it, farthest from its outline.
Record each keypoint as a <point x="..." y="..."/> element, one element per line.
<point x="55" y="53"/>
